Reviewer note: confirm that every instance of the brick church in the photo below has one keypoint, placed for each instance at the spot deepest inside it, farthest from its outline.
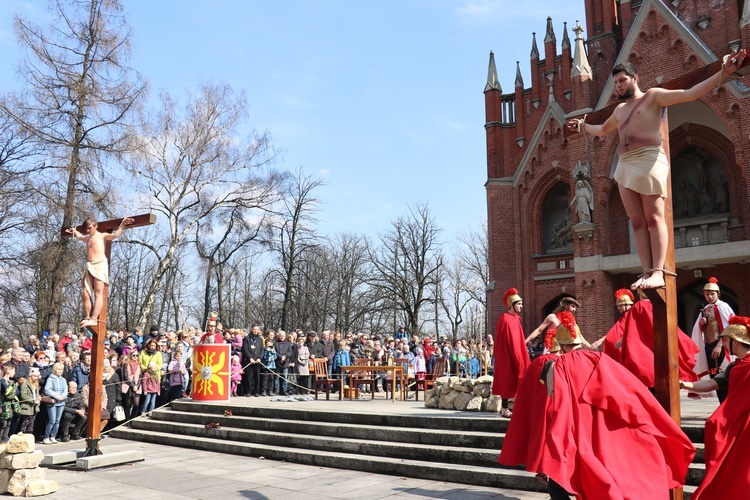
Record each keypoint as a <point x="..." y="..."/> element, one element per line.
<point x="557" y="226"/>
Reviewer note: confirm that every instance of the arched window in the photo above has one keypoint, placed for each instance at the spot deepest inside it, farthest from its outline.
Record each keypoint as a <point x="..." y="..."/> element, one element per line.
<point x="557" y="234"/>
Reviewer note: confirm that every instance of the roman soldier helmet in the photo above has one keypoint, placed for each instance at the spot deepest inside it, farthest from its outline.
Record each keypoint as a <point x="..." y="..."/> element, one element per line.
<point x="511" y="297"/>
<point x="568" y="332"/>
<point x="738" y="329"/>
<point x="550" y="341"/>
<point x="623" y="296"/>
<point x="712" y="285"/>
<point x="213" y="318"/>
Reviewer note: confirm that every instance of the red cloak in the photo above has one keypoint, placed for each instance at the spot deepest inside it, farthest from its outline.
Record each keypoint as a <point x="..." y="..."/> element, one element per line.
<point x="613" y="335"/>
<point x="607" y="436"/>
<point x="511" y="355"/>
<point x="524" y="440"/>
<point x="727" y="439"/>
<point x="638" y="345"/>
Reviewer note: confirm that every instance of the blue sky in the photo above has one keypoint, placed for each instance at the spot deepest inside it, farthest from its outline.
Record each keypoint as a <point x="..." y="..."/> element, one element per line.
<point x="383" y="99"/>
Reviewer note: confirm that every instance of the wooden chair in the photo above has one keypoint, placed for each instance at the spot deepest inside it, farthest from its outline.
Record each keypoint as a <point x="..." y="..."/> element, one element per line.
<point x="404" y="385"/>
<point x="363" y="378"/>
<point x="438" y="370"/>
<point x="321" y="381"/>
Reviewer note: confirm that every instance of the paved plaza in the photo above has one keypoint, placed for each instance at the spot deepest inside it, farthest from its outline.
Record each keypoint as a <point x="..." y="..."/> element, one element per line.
<point x="171" y="473"/>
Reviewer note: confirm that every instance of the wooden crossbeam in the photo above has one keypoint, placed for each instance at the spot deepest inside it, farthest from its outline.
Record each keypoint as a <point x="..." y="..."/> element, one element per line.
<point x="109" y="226"/>
<point x="685" y="81"/>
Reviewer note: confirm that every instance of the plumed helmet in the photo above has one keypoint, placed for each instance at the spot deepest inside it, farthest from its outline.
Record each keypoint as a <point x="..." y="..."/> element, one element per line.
<point x="550" y="341"/>
<point x="623" y="296"/>
<point x="568" y="332"/>
<point x="511" y="297"/>
<point x="712" y="285"/>
<point x="738" y="329"/>
<point x="213" y="318"/>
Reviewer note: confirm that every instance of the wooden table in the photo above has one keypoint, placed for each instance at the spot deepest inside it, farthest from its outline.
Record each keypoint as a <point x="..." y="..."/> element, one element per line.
<point x="396" y="372"/>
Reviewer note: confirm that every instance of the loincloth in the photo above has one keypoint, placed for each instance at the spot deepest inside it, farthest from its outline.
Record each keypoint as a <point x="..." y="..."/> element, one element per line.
<point x="95" y="270"/>
<point x="644" y="170"/>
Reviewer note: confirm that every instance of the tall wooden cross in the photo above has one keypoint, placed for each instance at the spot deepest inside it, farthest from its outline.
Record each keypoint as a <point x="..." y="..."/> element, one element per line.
<point x="664" y="300"/>
<point x="93" y="427"/>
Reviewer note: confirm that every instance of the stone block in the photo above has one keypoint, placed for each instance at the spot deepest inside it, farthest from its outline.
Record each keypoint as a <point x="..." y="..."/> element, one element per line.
<point x="21" y="460"/>
<point x="41" y="487"/>
<point x="492" y="403"/>
<point x="429" y="393"/>
<point x="485" y="379"/>
<point x="475" y="404"/>
<point x="483" y="390"/>
<point x="62" y="457"/>
<point x="108" y="459"/>
<point x="18" y="480"/>
<point x="461" y="388"/>
<point x="431" y="402"/>
<point x="446" y="401"/>
<point x="468" y="383"/>
<point x="462" y="400"/>
<point x="20" y="443"/>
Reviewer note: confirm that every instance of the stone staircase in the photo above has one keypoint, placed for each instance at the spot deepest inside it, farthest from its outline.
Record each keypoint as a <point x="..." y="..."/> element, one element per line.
<point x="436" y="447"/>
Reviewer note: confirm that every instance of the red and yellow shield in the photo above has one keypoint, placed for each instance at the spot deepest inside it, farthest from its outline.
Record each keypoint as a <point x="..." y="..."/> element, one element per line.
<point x="211" y="372"/>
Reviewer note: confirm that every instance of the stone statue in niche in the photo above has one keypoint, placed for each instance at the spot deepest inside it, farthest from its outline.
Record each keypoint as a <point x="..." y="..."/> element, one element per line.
<point x="721" y="198"/>
<point x="699" y="185"/>
<point x="583" y="200"/>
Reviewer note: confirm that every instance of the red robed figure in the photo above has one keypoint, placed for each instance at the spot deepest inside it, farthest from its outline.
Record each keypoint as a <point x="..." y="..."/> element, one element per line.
<point x="511" y="355"/>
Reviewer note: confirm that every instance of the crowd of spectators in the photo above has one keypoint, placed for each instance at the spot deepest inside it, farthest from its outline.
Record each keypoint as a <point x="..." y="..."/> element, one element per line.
<point x="45" y="383"/>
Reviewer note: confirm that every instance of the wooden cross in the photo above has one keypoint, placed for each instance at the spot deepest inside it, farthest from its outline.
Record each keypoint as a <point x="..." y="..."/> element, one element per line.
<point x="93" y="427"/>
<point x="664" y="300"/>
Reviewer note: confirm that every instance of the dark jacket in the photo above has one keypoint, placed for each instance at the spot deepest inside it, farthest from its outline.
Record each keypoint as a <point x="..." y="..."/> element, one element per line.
<point x="73" y="403"/>
<point x="316" y="348"/>
<point x="113" y="386"/>
<point x="328" y="350"/>
<point x="286" y="349"/>
<point x="80" y="375"/>
<point x="252" y="348"/>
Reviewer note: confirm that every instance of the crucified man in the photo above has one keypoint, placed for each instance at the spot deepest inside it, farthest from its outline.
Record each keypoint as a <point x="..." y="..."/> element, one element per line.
<point x="643" y="167"/>
<point x="96" y="272"/>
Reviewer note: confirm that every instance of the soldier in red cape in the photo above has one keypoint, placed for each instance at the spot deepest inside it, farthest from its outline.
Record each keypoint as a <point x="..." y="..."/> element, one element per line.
<point x="524" y="440"/>
<point x="727" y="433"/>
<point x="212" y="336"/>
<point x="638" y="345"/>
<point x="605" y="435"/>
<point x="511" y="354"/>
<point x="624" y="301"/>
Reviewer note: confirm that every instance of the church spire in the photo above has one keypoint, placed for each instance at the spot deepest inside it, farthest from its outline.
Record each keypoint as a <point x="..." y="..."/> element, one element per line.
<point x="550" y="36"/>
<point x="580" y="61"/>
<point x="519" y="78"/>
<point x="566" y="40"/>
<point x="492" y="82"/>
<point x="534" y="49"/>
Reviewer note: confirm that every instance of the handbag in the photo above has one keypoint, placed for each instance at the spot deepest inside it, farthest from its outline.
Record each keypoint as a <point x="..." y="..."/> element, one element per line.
<point x="118" y="413"/>
<point x="48" y="399"/>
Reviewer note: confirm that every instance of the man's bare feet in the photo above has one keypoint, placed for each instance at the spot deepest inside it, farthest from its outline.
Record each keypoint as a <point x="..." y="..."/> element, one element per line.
<point x="641" y="278"/>
<point x="656" y="280"/>
<point x="88" y="322"/>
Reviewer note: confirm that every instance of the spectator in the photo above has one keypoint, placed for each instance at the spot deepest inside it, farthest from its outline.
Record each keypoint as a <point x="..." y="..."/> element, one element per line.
<point x="81" y="372"/>
<point x="56" y="388"/>
<point x="104" y="412"/>
<point x="268" y="371"/>
<point x="74" y="415"/>
<point x="10" y="405"/>
<point x="302" y="366"/>
<point x="17" y="360"/>
<point x="65" y="340"/>
<point x="131" y="376"/>
<point x="400" y="333"/>
<point x="236" y="374"/>
<point x="29" y="399"/>
<point x="177" y="373"/>
<point x="112" y="387"/>
<point x="284" y="352"/>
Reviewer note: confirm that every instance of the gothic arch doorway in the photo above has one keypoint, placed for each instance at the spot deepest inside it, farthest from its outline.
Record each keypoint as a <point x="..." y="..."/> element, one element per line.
<point x="690" y="301"/>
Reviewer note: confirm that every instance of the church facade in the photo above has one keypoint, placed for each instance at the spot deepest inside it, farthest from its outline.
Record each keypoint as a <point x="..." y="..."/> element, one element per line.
<point x="557" y="226"/>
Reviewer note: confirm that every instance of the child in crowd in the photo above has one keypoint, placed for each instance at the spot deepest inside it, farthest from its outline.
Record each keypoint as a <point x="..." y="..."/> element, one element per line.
<point x="340" y="358"/>
<point x="29" y="400"/>
<point x="176" y="374"/>
<point x="236" y="375"/>
<point x="268" y="370"/>
<point x="10" y="406"/>
<point x="151" y="387"/>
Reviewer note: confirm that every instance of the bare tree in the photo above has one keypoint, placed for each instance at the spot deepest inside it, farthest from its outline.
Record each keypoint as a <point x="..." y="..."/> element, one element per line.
<point x="473" y="255"/>
<point x="194" y="166"/>
<point x="353" y="298"/>
<point x="453" y="296"/>
<point x="78" y="93"/>
<point x="407" y="263"/>
<point x="296" y="235"/>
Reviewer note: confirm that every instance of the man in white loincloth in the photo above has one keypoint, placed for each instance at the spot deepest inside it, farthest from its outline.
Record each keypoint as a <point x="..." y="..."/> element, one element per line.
<point x="96" y="272"/>
<point x="642" y="170"/>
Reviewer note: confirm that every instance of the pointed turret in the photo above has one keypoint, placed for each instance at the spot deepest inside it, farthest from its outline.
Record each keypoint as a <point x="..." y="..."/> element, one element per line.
<point x="550" y="36"/>
<point x="566" y="40"/>
<point x="534" y="49"/>
<point x="519" y="78"/>
<point x="580" y="61"/>
<point x="492" y="82"/>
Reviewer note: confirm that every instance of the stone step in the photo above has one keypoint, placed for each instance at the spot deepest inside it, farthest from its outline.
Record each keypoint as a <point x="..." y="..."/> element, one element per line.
<point x="417" y="468"/>
<point x="455" y="420"/>
<point x="366" y="447"/>
<point x="436" y="437"/>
